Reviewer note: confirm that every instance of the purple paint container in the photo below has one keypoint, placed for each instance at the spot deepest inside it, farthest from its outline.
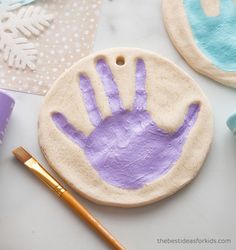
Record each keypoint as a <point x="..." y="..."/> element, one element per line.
<point x="6" y="105"/>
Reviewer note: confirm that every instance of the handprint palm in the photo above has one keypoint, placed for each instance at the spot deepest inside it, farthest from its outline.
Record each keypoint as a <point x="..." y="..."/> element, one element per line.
<point x="215" y="35"/>
<point x="127" y="149"/>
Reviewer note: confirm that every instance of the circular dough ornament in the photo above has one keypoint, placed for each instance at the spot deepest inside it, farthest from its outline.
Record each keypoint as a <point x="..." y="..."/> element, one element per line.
<point x="125" y="127"/>
<point x="204" y="33"/>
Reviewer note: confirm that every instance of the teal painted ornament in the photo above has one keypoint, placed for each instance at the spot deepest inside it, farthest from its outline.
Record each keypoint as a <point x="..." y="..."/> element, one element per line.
<point x="215" y="36"/>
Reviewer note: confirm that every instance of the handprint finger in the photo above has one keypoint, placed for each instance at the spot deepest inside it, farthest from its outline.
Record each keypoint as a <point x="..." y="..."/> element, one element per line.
<point x="140" y="96"/>
<point x="189" y="120"/>
<point x="110" y="86"/>
<point x="199" y="13"/>
<point x="89" y="100"/>
<point x="68" y="129"/>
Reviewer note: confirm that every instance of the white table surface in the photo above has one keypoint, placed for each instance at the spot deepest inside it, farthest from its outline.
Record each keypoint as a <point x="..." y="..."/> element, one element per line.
<point x="31" y="217"/>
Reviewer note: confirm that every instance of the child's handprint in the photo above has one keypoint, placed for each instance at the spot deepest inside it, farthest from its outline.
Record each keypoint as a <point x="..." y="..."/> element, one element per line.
<point x="215" y="35"/>
<point x="127" y="149"/>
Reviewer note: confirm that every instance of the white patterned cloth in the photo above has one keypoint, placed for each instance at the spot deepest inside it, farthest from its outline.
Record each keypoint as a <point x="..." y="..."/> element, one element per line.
<point x="40" y="39"/>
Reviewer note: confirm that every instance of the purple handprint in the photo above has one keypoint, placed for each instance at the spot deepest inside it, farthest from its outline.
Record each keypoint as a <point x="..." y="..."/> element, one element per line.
<point x="127" y="149"/>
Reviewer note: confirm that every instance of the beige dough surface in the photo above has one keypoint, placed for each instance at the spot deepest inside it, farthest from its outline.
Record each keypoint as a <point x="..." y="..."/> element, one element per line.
<point x="180" y="33"/>
<point x="170" y="91"/>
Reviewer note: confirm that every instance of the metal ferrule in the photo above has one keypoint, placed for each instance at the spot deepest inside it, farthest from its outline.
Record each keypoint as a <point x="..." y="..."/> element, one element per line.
<point x="42" y="174"/>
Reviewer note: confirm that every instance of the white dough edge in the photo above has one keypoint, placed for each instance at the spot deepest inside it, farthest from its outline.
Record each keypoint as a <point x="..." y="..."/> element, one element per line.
<point x="167" y="79"/>
<point x="180" y="33"/>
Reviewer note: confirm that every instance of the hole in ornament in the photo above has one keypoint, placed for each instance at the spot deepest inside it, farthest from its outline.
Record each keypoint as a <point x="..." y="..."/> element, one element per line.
<point x="120" y="60"/>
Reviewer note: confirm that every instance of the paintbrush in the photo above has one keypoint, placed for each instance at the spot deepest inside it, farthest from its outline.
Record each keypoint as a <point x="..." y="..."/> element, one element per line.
<point x="32" y="164"/>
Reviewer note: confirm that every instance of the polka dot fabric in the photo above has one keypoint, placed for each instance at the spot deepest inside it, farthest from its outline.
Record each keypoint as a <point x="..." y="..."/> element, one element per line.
<point x="68" y="38"/>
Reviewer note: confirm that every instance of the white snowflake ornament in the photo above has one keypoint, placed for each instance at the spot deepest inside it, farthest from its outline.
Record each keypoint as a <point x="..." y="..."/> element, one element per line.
<point x="60" y="43"/>
<point x="9" y="5"/>
<point x="15" y="30"/>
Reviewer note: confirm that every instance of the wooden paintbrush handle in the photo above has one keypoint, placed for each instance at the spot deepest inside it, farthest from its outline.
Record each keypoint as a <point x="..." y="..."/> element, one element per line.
<point x="84" y="213"/>
<point x="23" y="156"/>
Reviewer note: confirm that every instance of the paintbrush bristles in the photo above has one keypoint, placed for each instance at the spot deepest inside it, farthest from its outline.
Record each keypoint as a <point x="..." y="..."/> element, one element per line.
<point x="21" y="154"/>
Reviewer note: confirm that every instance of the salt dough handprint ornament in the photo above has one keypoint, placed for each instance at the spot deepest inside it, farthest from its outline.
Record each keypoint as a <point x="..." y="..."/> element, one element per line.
<point x="128" y="149"/>
<point x="215" y="35"/>
<point x="110" y="144"/>
<point x="205" y="35"/>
